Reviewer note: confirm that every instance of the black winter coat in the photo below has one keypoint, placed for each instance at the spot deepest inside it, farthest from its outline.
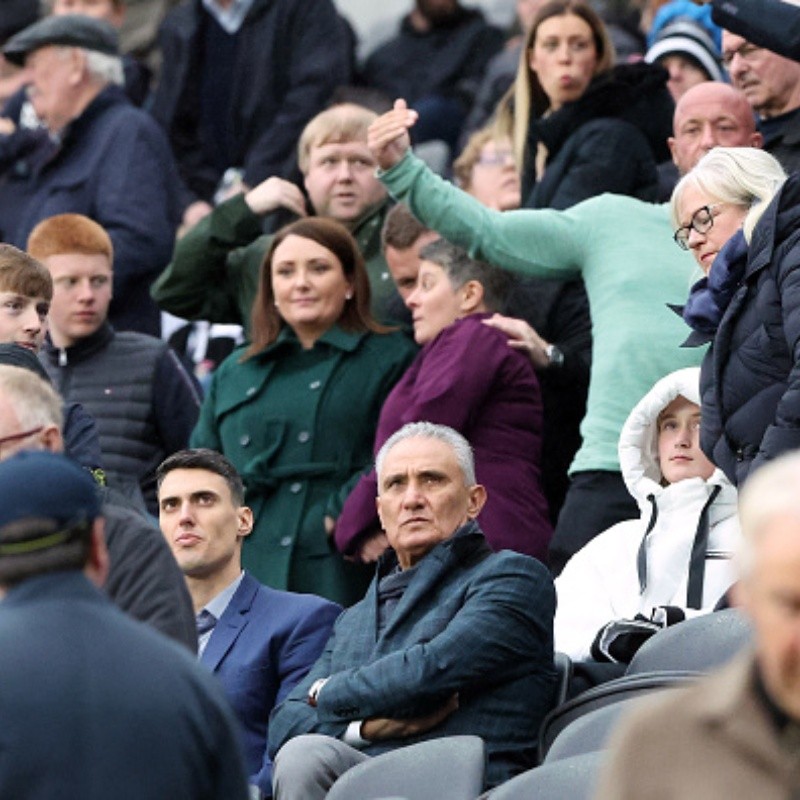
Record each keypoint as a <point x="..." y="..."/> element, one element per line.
<point x="291" y="55"/>
<point x="609" y="140"/>
<point x="447" y="60"/>
<point x="750" y="379"/>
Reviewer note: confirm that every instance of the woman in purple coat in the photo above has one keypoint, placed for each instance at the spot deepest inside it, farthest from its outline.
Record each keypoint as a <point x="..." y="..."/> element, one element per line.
<point x="468" y="377"/>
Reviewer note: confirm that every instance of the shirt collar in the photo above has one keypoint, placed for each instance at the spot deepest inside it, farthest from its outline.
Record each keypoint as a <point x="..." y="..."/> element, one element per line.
<point x="230" y="19"/>
<point x="219" y="604"/>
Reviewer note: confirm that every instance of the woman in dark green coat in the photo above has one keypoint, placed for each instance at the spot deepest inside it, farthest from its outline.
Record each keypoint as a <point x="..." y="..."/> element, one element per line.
<point x="296" y="410"/>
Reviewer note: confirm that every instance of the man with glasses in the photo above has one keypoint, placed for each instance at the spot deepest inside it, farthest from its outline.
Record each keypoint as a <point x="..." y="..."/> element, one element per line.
<point x="774" y="24"/>
<point x="771" y="84"/>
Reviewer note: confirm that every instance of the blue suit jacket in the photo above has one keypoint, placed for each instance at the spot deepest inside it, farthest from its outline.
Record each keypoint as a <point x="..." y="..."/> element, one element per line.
<point x="470" y="621"/>
<point x="264" y="643"/>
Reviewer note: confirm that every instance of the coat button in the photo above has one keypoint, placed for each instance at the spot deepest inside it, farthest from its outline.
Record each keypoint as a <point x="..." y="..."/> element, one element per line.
<point x="244" y="440"/>
<point x="251" y="391"/>
<point x="295" y="487"/>
<point x="740" y="454"/>
<point x="286" y="541"/>
<point x="303" y="437"/>
<point x="314" y="385"/>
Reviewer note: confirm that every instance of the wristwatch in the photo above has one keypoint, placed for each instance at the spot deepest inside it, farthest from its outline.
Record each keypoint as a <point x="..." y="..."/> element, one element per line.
<point x="555" y="358"/>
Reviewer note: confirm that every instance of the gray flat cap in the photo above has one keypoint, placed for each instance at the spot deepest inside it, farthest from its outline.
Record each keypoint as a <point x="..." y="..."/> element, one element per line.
<point x="72" y="30"/>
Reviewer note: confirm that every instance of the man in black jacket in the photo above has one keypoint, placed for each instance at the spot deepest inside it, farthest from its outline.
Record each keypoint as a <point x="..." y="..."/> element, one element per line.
<point x="238" y="83"/>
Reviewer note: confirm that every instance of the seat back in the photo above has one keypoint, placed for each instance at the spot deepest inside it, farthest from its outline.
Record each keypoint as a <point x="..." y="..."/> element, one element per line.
<point x="700" y="644"/>
<point x="568" y="779"/>
<point x="606" y="694"/>
<point x="590" y="732"/>
<point x="449" y="768"/>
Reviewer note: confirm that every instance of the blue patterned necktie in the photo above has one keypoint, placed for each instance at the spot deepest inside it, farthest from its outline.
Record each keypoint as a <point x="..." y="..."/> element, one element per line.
<point x="205" y="622"/>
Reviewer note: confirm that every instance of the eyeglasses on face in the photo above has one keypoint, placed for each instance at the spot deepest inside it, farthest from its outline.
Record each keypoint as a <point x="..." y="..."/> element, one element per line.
<point x="747" y="52"/>
<point x="702" y="221"/>
<point x="499" y="158"/>
<point x="16" y="437"/>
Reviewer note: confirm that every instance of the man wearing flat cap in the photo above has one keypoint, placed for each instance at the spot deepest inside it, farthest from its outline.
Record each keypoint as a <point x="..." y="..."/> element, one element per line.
<point x="97" y="155"/>
<point x="94" y="705"/>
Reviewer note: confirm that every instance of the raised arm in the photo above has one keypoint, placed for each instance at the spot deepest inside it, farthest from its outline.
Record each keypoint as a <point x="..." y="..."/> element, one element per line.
<point x="543" y="242"/>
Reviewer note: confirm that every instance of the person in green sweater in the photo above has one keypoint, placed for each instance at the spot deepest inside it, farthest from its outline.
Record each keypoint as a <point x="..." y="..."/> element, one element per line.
<point x="214" y="270"/>
<point x="622" y="249"/>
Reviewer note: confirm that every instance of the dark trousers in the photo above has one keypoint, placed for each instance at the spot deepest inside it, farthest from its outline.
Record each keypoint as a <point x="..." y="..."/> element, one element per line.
<point x="596" y="500"/>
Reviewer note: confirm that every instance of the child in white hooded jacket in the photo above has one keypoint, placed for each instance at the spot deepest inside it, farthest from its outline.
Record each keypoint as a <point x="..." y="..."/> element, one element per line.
<point x="672" y="562"/>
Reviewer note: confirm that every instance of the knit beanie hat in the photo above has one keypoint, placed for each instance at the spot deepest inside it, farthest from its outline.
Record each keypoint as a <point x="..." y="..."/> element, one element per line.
<point x="688" y="38"/>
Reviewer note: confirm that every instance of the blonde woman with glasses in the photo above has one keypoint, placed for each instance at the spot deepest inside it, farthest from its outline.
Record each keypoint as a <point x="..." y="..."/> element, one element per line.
<point x="740" y="218"/>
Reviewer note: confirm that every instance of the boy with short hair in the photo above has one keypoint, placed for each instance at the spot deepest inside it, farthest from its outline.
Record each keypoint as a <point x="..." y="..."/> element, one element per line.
<point x="143" y="400"/>
<point x="26" y="291"/>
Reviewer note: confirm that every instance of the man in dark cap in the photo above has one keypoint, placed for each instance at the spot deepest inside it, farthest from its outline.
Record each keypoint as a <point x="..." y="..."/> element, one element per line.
<point x="98" y="155"/>
<point x="94" y="705"/>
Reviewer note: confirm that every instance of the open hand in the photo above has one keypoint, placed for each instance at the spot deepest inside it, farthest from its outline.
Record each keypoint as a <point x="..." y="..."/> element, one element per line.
<point x="388" y="137"/>
<point x="274" y="193"/>
<point x="521" y="336"/>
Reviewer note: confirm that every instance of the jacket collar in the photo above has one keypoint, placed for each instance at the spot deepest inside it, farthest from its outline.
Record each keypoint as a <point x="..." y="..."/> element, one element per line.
<point x="109" y="96"/>
<point x="65" y="586"/>
<point x="232" y="622"/>
<point x="83" y="349"/>
<point x="467" y="544"/>
<point x="335" y="337"/>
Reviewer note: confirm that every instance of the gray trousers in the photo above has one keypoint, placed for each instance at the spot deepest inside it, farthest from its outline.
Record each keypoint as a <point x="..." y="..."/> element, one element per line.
<point x="307" y="766"/>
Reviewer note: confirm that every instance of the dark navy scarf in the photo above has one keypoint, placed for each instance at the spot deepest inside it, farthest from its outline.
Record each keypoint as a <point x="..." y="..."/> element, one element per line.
<point x="710" y="296"/>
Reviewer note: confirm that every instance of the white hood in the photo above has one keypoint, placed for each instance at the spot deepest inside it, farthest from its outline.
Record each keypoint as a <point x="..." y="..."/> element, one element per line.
<point x="638" y="441"/>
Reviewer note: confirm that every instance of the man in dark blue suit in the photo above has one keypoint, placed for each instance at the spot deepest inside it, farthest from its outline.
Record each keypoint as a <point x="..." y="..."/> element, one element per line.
<point x="93" y="704"/>
<point x="451" y="638"/>
<point x="259" y="641"/>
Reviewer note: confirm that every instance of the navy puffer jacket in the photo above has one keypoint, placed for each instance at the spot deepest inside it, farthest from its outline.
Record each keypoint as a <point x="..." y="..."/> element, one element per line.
<point x="750" y="380"/>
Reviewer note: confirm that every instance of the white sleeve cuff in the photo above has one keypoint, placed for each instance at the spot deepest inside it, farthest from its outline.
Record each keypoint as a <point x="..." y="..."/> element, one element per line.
<point x="352" y="735"/>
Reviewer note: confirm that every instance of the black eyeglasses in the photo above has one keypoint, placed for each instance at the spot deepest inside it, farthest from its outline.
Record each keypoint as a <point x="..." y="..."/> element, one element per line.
<point x="702" y="221"/>
<point x="16" y="437"/>
<point x="745" y="51"/>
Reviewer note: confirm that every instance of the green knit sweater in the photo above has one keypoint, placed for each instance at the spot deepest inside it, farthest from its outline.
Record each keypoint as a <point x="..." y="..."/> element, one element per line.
<point x="623" y="250"/>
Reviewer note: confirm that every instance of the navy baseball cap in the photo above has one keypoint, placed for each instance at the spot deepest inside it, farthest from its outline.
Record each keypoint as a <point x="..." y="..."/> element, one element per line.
<point x="45" y="498"/>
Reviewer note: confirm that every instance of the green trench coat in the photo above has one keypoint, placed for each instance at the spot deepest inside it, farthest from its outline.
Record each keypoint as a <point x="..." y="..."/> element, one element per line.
<point x="299" y="426"/>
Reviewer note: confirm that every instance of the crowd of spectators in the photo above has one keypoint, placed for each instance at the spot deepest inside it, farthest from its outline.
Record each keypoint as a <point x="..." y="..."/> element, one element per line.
<point x="480" y="335"/>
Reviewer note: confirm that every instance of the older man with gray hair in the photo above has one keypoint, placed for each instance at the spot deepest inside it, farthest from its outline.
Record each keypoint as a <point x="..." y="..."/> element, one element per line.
<point x="97" y="155"/>
<point x="736" y="733"/>
<point x="451" y="638"/>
